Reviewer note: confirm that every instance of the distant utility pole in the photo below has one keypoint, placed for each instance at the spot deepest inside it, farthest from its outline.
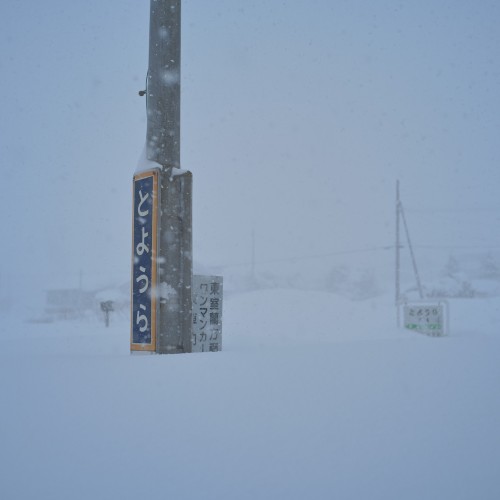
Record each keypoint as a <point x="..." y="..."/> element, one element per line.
<point x="398" y="250"/>
<point x="400" y="215"/>
<point x="162" y="269"/>
<point x="252" y="266"/>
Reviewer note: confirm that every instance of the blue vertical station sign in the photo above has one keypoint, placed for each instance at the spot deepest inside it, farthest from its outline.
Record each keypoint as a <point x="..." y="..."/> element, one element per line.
<point x="144" y="270"/>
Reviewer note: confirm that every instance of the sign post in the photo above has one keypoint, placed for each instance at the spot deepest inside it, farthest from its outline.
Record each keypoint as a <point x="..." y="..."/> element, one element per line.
<point x="162" y="231"/>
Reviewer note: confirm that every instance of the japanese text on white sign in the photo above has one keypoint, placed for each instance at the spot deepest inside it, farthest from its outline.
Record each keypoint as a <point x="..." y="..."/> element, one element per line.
<point x="207" y="314"/>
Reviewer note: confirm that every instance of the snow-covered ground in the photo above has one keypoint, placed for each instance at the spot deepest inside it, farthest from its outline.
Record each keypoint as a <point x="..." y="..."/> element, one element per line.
<point x="314" y="396"/>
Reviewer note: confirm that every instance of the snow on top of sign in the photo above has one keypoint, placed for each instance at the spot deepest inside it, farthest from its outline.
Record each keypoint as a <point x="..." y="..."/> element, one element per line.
<point x="143" y="164"/>
<point x="177" y="171"/>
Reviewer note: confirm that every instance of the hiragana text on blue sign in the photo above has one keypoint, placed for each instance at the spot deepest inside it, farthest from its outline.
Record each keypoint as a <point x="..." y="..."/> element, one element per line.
<point x="144" y="237"/>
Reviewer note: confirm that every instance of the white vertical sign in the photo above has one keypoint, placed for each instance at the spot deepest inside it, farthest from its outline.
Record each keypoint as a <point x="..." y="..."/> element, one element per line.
<point x="207" y="314"/>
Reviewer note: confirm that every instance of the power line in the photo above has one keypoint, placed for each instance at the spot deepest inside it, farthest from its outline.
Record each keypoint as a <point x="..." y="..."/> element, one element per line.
<point x="352" y="252"/>
<point x="484" y="247"/>
<point x="454" y="210"/>
<point x="307" y="257"/>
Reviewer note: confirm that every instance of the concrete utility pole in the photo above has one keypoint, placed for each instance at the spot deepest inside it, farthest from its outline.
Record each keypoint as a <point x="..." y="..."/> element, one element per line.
<point x="164" y="83"/>
<point x="163" y="147"/>
<point x="162" y="285"/>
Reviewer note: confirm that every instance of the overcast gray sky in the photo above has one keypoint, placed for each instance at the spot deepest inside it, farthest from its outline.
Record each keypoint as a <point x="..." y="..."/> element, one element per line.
<point x="297" y="119"/>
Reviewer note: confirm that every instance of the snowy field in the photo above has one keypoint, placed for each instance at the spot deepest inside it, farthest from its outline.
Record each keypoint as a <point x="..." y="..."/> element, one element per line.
<point x="313" y="396"/>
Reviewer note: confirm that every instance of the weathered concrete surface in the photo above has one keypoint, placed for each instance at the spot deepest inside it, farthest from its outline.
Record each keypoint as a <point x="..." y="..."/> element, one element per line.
<point x="175" y="272"/>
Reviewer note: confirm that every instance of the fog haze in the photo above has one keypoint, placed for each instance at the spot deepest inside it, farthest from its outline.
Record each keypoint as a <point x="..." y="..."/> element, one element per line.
<point x="297" y="119"/>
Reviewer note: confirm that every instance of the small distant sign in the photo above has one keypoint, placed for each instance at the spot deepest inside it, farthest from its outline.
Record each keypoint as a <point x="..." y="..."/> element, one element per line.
<point x="144" y="271"/>
<point x="426" y="317"/>
<point x="207" y="314"/>
<point x="107" y="308"/>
